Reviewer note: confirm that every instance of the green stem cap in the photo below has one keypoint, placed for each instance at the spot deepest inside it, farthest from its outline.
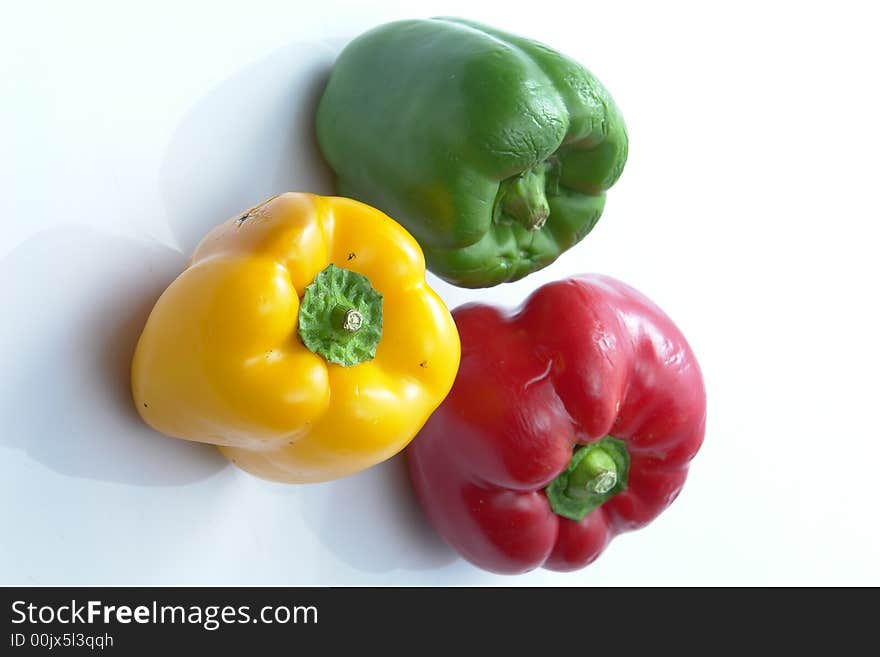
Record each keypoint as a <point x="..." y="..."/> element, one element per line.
<point x="596" y="473"/>
<point x="340" y="317"/>
<point x="524" y="198"/>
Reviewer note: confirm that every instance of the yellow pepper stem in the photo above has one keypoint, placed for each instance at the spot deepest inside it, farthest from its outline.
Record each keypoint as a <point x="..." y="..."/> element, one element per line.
<point x="349" y="319"/>
<point x="340" y="317"/>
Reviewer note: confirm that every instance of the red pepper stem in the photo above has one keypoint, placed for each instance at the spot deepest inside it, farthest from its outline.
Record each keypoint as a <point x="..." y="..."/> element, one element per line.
<point x="596" y="473"/>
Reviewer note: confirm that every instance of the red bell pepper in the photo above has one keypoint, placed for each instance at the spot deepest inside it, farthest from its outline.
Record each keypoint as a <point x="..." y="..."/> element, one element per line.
<point x="571" y="420"/>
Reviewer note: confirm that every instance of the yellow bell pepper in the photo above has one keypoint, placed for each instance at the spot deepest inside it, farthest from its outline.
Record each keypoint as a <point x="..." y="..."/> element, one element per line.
<point x="223" y="357"/>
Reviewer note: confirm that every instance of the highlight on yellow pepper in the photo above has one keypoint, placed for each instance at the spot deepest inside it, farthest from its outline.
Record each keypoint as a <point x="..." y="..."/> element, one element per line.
<point x="302" y="339"/>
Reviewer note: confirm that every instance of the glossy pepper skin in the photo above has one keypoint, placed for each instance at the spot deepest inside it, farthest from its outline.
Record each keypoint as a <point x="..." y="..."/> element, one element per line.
<point x="221" y="359"/>
<point x="493" y="150"/>
<point x="583" y="359"/>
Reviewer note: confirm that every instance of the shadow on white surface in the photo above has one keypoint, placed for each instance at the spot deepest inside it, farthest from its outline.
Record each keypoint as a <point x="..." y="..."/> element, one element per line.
<point x="74" y="302"/>
<point x="248" y="139"/>
<point x="372" y="521"/>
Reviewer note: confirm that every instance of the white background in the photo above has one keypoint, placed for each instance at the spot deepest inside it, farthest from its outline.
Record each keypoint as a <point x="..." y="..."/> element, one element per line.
<point x="748" y="210"/>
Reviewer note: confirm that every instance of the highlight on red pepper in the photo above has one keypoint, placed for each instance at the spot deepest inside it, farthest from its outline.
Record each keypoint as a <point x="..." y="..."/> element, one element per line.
<point x="572" y="419"/>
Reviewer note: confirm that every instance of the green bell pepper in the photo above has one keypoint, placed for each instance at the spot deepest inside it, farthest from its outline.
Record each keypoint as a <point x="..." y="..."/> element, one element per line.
<point x="493" y="150"/>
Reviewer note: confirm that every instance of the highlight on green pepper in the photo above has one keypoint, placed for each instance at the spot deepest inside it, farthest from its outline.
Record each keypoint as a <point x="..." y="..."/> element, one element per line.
<point x="493" y="150"/>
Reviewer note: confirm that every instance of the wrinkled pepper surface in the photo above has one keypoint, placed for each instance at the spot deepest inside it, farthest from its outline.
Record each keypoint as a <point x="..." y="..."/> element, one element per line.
<point x="301" y="339"/>
<point x="493" y="150"/>
<point x="571" y="420"/>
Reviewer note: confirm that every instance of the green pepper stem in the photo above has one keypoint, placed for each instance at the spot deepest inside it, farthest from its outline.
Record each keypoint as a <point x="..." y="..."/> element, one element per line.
<point x="523" y="197"/>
